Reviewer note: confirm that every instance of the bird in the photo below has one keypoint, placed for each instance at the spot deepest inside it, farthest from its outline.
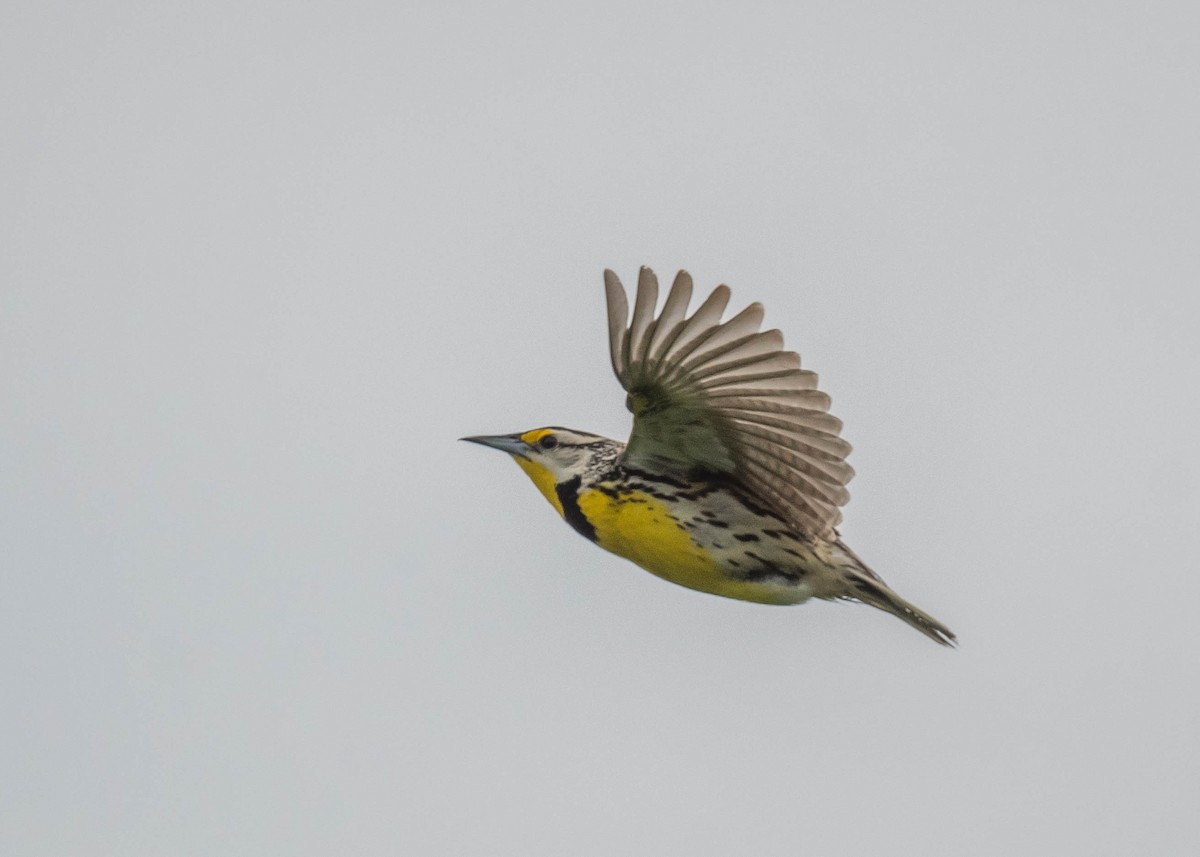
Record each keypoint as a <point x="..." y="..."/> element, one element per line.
<point x="734" y="474"/>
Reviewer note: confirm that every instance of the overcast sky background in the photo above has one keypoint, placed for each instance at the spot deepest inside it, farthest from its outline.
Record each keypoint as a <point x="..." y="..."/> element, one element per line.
<point x="261" y="265"/>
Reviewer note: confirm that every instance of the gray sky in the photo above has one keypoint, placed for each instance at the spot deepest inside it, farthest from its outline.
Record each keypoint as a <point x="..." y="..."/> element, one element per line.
<point x="262" y="266"/>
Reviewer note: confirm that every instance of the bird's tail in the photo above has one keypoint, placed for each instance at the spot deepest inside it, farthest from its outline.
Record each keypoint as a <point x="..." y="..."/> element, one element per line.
<point x="877" y="594"/>
<point x="863" y="584"/>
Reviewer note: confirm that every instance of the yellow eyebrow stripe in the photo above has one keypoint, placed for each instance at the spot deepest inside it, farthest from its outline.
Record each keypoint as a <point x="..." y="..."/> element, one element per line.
<point x="533" y="436"/>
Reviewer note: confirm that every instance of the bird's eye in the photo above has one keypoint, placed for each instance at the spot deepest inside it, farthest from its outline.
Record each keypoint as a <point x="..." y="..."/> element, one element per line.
<point x="548" y="442"/>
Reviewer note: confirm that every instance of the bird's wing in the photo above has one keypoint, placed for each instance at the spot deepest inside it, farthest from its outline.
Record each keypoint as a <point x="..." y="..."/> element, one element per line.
<point x="724" y="398"/>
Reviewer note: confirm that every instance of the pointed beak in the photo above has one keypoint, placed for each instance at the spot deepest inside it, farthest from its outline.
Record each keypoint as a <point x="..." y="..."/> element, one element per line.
<point x="510" y="443"/>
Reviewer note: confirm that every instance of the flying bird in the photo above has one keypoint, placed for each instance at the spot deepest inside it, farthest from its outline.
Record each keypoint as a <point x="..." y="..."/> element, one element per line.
<point x="734" y="475"/>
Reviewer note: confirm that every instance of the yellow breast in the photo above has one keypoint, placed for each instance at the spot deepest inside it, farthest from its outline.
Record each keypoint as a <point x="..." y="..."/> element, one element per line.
<point x="639" y="528"/>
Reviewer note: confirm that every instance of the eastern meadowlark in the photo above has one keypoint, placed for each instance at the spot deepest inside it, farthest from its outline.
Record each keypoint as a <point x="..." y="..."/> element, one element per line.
<point x="733" y="476"/>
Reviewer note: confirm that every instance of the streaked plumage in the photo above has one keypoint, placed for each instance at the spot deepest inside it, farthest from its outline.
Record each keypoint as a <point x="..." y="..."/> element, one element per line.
<point x="734" y="473"/>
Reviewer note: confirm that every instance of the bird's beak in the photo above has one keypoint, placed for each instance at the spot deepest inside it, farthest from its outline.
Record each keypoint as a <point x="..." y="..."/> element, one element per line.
<point x="510" y="443"/>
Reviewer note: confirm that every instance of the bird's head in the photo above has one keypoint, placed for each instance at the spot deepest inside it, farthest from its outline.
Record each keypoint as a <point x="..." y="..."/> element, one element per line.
<point x="555" y="456"/>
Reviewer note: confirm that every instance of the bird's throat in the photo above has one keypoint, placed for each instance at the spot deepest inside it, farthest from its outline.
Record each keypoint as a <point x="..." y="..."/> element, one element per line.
<point x="543" y="479"/>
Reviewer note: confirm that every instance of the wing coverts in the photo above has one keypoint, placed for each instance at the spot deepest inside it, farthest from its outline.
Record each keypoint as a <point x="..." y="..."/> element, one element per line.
<point x="724" y="397"/>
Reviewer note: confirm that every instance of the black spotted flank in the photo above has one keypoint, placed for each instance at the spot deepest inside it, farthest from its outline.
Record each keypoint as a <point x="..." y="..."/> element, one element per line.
<point x="745" y="537"/>
<point x="711" y="519"/>
<point x="568" y="496"/>
<point x="764" y="569"/>
<point x="645" y="488"/>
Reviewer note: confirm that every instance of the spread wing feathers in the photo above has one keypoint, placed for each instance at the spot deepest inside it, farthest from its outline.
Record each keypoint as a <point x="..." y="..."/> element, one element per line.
<point x="723" y="397"/>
